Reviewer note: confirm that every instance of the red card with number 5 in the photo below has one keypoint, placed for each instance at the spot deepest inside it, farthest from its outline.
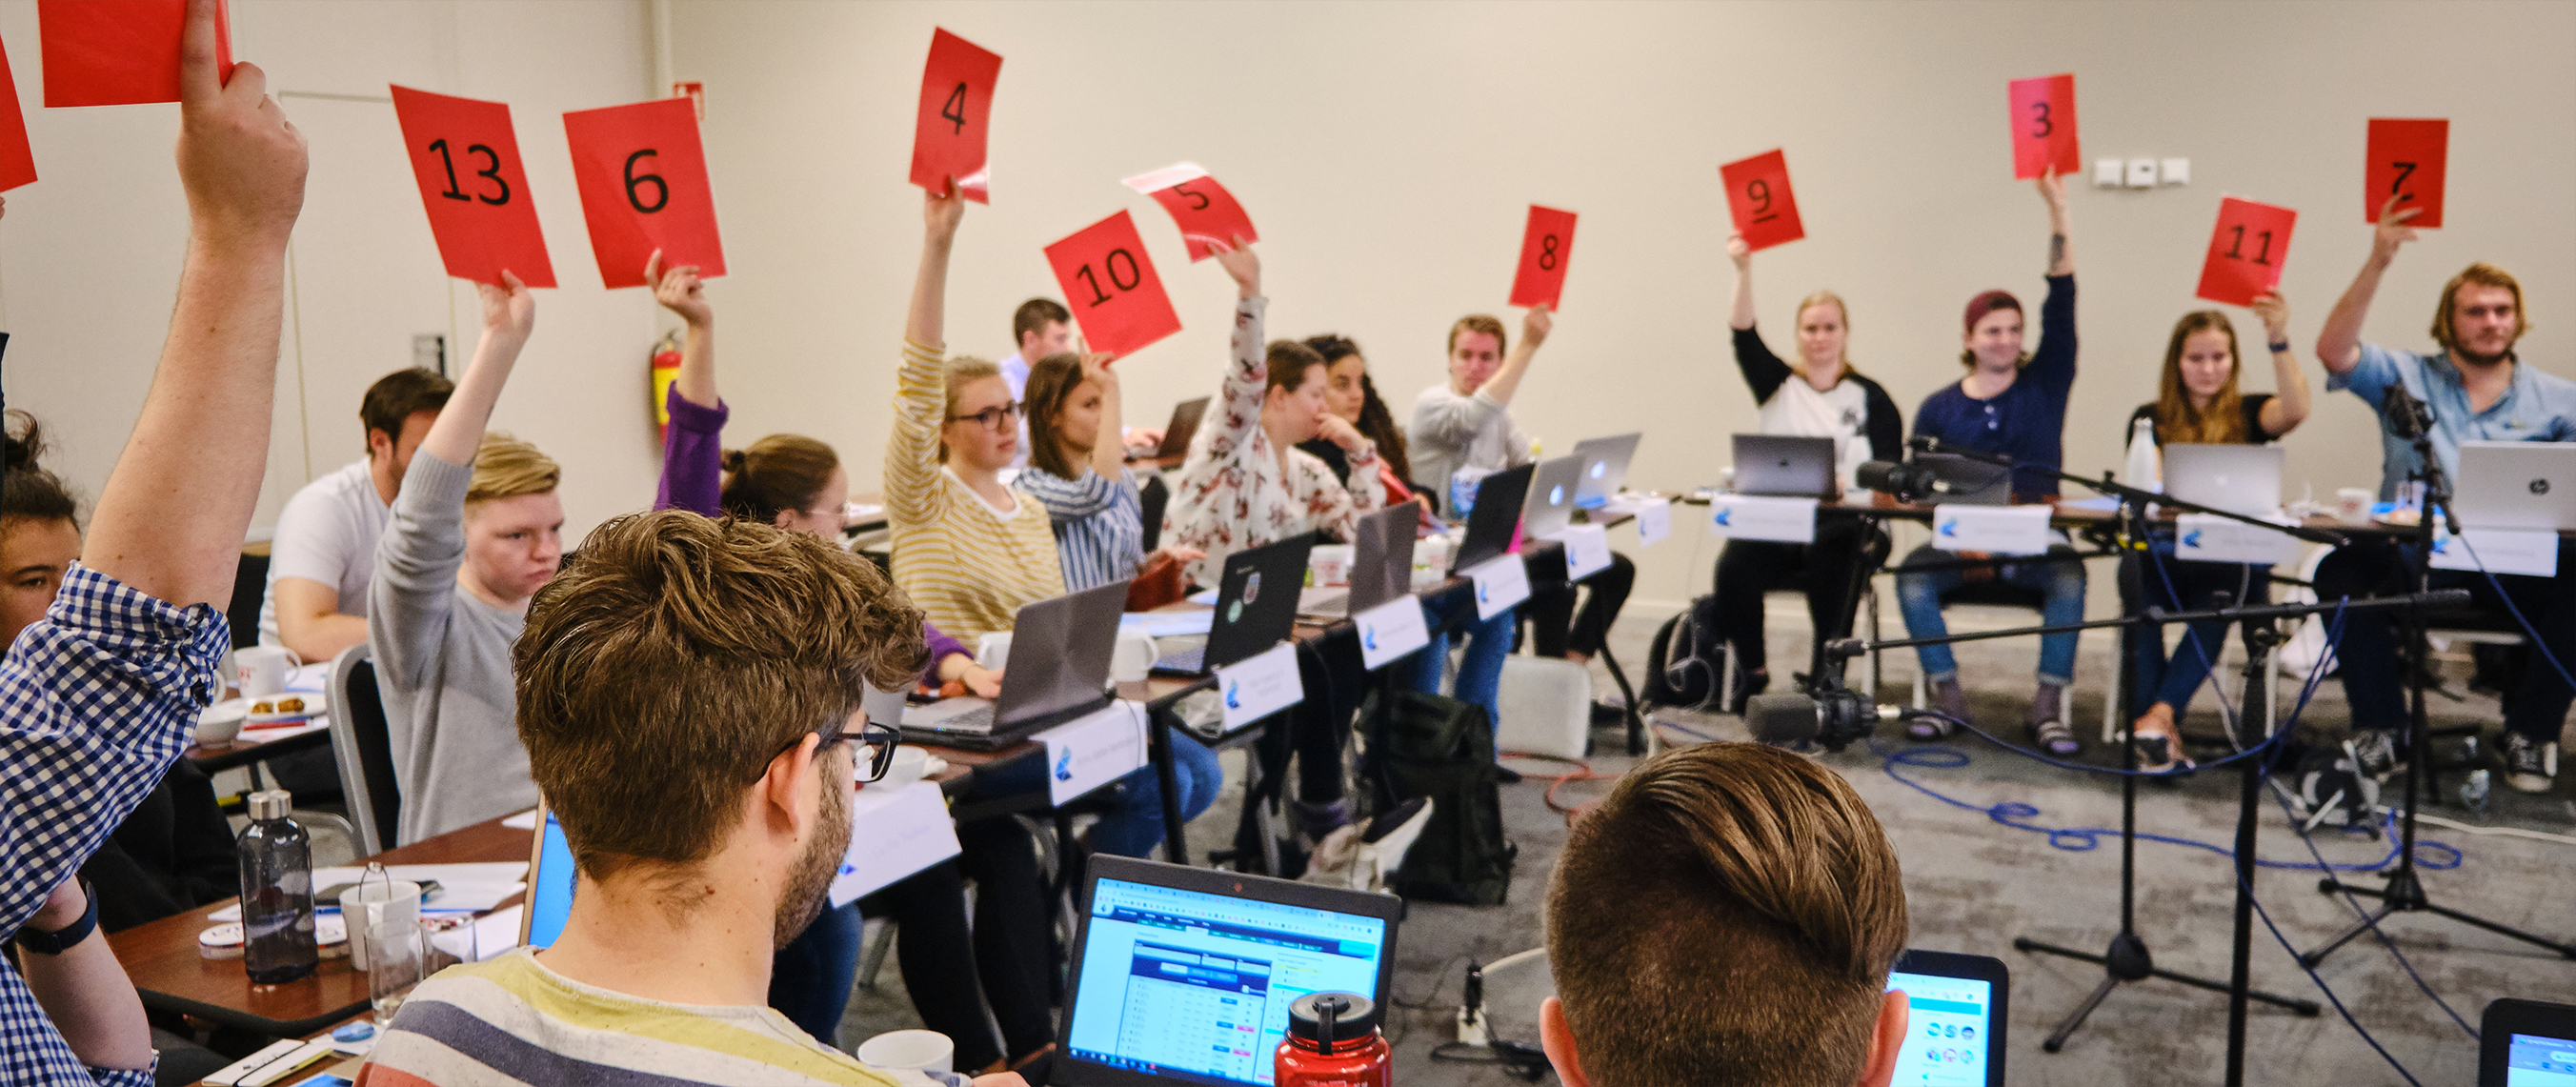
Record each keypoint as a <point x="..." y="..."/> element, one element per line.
<point x="466" y="157"/>
<point x="17" y="162"/>
<point x="119" y="52"/>
<point x="2407" y="158"/>
<point x="956" y="104"/>
<point x="1209" y="217"/>
<point x="2246" y="252"/>
<point x="1757" y="195"/>
<point x="2043" y="120"/>
<point x="1110" y="285"/>
<point x="643" y="179"/>
<point x="1545" y="247"/>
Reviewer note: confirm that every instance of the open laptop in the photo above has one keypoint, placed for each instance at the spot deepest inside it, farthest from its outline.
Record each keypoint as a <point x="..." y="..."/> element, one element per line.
<point x="2516" y="485"/>
<point x="1605" y="468"/>
<point x="1058" y="670"/>
<point x="2237" y="478"/>
<point x="1956" y="1009"/>
<point x="1184" y="975"/>
<point x="1778" y="464"/>
<point x="1550" y="506"/>
<point x="1972" y="482"/>
<point x="1497" y="516"/>
<point x="551" y="879"/>
<point x="1256" y="606"/>
<point x="1177" y="434"/>
<point x="2527" y="1043"/>
<point x="1381" y="566"/>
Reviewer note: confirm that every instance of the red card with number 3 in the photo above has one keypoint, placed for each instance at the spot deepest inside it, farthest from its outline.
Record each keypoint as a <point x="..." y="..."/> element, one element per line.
<point x="2043" y="120"/>
<point x="2407" y="158"/>
<point x="1110" y="285"/>
<point x="466" y="157"/>
<point x="956" y="104"/>
<point x="1209" y="217"/>
<point x="2246" y="252"/>
<point x="17" y="162"/>
<point x="643" y="179"/>
<point x="1545" y="248"/>
<point x="1757" y="195"/>
<point x="119" y="52"/>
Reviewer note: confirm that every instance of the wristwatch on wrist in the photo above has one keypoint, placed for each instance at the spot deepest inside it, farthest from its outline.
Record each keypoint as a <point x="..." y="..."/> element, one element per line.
<point x="2279" y="346"/>
<point x="67" y="937"/>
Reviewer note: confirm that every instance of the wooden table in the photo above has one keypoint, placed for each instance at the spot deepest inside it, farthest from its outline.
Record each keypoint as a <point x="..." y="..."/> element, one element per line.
<point x="250" y="747"/>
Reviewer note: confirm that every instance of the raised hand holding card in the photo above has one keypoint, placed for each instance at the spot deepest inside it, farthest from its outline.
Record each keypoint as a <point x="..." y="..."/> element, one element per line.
<point x="466" y="157"/>
<point x="1110" y="284"/>
<point x="643" y="179"/>
<point x="1757" y="196"/>
<point x="119" y="52"/>
<point x="1209" y="218"/>
<point x="956" y="104"/>
<point x="1545" y="247"/>
<point x="17" y="161"/>
<point x="2407" y="161"/>
<point x="2043" y="127"/>
<point x="2246" y="251"/>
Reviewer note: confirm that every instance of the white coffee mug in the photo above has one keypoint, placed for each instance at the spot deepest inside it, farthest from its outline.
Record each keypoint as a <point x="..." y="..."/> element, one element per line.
<point x="372" y="903"/>
<point x="1135" y="657"/>
<point x="264" y="669"/>
<point x="993" y="651"/>
<point x="2352" y="504"/>
<point x="1331" y="564"/>
<point x="907" y="767"/>
<point x="919" y="1050"/>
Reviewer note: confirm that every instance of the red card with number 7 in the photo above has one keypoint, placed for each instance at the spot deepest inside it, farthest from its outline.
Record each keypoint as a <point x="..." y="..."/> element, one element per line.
<point x="2043" y="127"/>
<point x="466" y="157"/>
<point x="119" y="52"/>
<point x="956" y="104"/>
<point x="1757" y="195"/>
<point x="1110" y="285"/>
<point x="17" y="161"/>
<point x="1545" y="248"/>
<point x="1209" y="217"/>
<point x="2408" y="159"/>
<point x="643" y="178"/>
<point x="2246" y="252"/>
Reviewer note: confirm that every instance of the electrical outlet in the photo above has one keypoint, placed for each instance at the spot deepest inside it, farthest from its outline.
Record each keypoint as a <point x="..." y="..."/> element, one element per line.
<point x="2108" y="173"/>
<point x="2174" y="172"/>
<point x="2142" y="173"/>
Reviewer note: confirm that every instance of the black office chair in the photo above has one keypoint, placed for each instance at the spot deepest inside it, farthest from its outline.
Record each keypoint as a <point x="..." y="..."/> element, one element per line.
<point x="364" y="750"/>
<point x="1152" y="498"/>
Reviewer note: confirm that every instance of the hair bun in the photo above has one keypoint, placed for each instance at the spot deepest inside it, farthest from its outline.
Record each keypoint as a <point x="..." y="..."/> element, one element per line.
<point x="25" y="442"/>
<point x="734" y="461"/>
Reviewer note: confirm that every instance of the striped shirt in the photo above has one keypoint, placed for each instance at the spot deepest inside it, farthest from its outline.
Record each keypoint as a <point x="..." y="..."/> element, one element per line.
<point x="1099" y="524"/>
<point x="965" y="564"/>
<point x="511" y="1021"/>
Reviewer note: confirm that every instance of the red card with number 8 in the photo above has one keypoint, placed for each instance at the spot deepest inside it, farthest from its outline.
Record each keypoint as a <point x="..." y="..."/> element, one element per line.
<point x="2043" y="120"/>
<point x="119" y="52"/>
<point x="956" y="104"/>
<point x="466" y="157"/>
<point x="1110" y="285"/>
<point x="643" y="179"/>
<point x="2407" y="158"/>
<point x="17" y="162"/>
<point x="1545" y="248"/>
<point x="1757" y="195"/>
<point x="2246" y="252"/>
<point x="1209" y="217"/>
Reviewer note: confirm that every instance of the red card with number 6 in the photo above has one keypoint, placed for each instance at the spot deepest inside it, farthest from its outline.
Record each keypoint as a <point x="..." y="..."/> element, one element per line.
<point x="2246" y="252"/>
<point x="1545" y="247"/>
<point x="2043" y="120"/>
<point x="119" y="52"/>
<point x="956" y="104"/>
<point x="1110" y="285"/>
<point x="17" y="161"/>
<point x="1757" y="195"/>
<point x="1208" y="216"/>
<point x="2407" y="158"/>
<point x="466" y="157"/>
<point x="643" y="179"/>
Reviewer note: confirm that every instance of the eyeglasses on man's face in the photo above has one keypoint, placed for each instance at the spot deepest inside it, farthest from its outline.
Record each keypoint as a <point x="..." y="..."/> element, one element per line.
<point x="994" y="418"/>
<point x="874" y="754"/>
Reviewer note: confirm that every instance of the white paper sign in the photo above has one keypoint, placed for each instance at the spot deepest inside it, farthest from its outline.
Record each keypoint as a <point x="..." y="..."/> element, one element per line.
<point x="1587" y="550"/>
<point x="1762" y="517"/>
<point x="1501" y="582"/>
<point x="1260" y="685"/>
<point x="1654" y="520"/>
<point x="2529" y="551"/>
<point x="1391" y="631"/>
<point x="1998" y="530"/>
<point x="2200" y="537"/>
<point x="1094" y="750"/>
<point x="893" y="834"/>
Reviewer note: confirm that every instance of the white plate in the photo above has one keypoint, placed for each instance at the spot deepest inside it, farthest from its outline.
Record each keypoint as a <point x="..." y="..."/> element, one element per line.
<point x="315" y="704"/>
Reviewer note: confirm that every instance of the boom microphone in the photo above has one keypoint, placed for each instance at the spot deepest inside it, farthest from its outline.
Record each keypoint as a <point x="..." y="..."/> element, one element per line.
<point x="1907" y="481"/>
<point x="2408" y="418"/>
<point x="1834" y="717"/>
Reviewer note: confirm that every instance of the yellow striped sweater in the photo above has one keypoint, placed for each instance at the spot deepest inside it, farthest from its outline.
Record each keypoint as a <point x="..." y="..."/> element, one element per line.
<point x="969" y="568"/>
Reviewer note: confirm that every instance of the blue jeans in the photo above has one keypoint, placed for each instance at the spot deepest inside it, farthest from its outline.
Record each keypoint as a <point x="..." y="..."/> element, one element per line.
<point x="2061" y="589"/>
<point x="1135" y="827"/>
<point x="2184" y="586"/>
<point x="1480" y="672"/>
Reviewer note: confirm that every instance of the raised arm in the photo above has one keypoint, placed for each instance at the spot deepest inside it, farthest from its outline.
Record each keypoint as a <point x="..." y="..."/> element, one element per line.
<point x="680" y="291"/>
<point x="921" y="399"/>
<point x="2339" y="342"/>
<point x="693" y="446"/>
<point x="1741" y="317"/>
<point x="2061" y="227"/>
<point x="2052" y="358"/>
<point x="509" y="314"/>
<point x="940" y="216"/>
<point x="1247" y="375"/>
<point x="1535" y="326"/>
<point x="2289" y="407"/>
<point x="1108" y="445"/>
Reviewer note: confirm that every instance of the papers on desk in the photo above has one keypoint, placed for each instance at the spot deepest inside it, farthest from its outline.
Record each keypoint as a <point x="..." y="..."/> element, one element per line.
<point x="893" y="834"/>
<point x="489" y="935"/>
<point x="1168" y="624"/>
<point x="526" y="820"/>
<point x="462" y="888"/>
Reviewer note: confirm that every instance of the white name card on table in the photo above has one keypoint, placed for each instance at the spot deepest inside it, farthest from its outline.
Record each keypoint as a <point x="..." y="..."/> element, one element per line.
<point x="893" y="834"/>
<point x="1587" y="550"/>
<point x="2531" y="552"/>
<point x="1260" y="685"/>
<point x="2200" y="537"/>
<point x="1501" y="582"/>
<point x="1762" y="517"/>
<point x="1997" y="530"/>
<point x="1391" y="631"/>
<point x="1093" y="750"/>
<point x="1654" y="520"/>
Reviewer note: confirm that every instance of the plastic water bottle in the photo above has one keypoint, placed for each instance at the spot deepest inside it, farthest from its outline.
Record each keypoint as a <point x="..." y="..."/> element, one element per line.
<point x="276" y="893"/>
<point x="2145" y="470"/>
<point x="1333" y="1041"/>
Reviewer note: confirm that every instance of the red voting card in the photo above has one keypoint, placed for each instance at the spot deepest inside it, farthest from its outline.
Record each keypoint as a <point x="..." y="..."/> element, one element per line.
<point x="17" y="162"/>
<point x="1208" y="216"/>
<point x="2043" y="120"/>
<point x="956" y="103"/>
<point x="1757" y="195"/>
<point x="1545" y="248"/>
<point x="466" y="158"/>
<point x="119" y="52"/>
<point x="2406" y="160"/>
<point x="1110" y="285"/>
<point x="2246" y="252"/>
<point x="643" y="179"/>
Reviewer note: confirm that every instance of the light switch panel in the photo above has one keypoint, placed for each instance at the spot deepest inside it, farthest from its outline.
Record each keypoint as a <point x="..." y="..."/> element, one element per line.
<point x="2175" y="172"/>
<point x="2108" y="173"/>
<point x="2142" y="173"/>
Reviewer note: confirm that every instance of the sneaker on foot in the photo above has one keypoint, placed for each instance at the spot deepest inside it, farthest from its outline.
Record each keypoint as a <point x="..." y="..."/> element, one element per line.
<point x="2374" y="751"/>
<point x="2529" y="766"/>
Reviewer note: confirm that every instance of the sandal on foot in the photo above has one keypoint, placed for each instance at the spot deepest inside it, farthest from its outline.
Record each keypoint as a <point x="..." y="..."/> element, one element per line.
<point x="2054" y="737"/>
<point x="1929" y="729"/>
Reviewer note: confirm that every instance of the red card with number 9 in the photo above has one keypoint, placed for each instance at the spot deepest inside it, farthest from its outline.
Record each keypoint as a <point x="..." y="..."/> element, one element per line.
<point x="2246" y="252"/>
<point x="1545" y="248"/>
<point x="2408" y="159"/>
<point x="1110" y="285"/>
<point x="1757" y="195"/>
<point x="2043" y="120"/>
<point x="643" y="178"/>
<point x="1209" y="218"/>
<point x="466" y="157"/>
<point x="956" y="104"/>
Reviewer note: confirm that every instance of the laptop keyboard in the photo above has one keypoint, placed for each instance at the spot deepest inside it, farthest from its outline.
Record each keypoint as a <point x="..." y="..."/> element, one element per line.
<point x="978" y="720"/>
<point x="1334" y="602"/>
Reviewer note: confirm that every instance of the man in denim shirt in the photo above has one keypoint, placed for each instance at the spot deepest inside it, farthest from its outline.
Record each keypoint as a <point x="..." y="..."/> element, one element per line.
<point x="2476" y="390"/>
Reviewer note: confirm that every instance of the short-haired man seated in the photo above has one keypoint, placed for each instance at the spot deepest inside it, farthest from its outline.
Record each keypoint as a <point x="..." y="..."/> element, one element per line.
<point x="689" y="694"/>
<point x="1727" y="917"/>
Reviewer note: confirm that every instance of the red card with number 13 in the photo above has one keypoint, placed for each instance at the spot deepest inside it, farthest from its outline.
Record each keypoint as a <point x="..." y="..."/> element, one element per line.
<point x="1757" y="195"/>
<point x="466" y="157"/>
<point x="2246" y="252"/>
<point x="1110" y="285"/>
<point x="1545" y="248"/>
<point x="956" y="108"/>
<point x="2407" y="159"/>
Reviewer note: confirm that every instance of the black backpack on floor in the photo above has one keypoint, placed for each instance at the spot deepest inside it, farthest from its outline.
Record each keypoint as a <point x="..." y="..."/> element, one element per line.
<point x="1685" y="661"/>
<point x="1425" y="745"/>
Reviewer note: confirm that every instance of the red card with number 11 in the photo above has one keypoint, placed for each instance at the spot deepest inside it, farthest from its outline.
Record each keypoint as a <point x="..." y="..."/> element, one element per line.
<point x="1545" y="248"/>
<point x="2246" y="252"/>
<point x="1110" y="285"/>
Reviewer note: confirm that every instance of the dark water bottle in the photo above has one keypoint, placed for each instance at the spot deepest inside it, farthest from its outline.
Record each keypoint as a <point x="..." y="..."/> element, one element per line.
<point x="1333" y="1041"/>
<point x="276" y="893"/>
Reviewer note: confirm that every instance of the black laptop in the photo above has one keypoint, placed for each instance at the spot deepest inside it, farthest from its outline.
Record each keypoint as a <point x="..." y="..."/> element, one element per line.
<point x="1184" y="426"/>
<point x="1786" y="465"/>
<point x="1495" y="519"/>
<point x="1256" y="606"/>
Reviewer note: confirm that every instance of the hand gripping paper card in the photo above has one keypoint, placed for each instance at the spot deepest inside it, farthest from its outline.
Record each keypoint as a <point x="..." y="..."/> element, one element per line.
<point x="956" y="108"/>
<point x="2246" y="251"/>
<point x="1757" y="196"/>
<point x="2407" y="160"/>
<point x="1546" y="246"/>
<point x="1209" y="218"/>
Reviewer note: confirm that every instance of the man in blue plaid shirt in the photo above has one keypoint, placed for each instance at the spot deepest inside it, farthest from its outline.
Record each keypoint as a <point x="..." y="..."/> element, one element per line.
<point x="97" y="700"/>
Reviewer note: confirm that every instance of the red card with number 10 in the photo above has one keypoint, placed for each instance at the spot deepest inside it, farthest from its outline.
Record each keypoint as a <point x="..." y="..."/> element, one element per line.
<point x="2246" y="252"/>
<point x="466" y="157"/>
<point x="643" y="179"/>
<point x="956" y="108"/>
<point x="2408" y="159"/>
<point x="2043" y="120"/>
<point x="1545" y="248"/>
<point x="1110" y="285"/>
<point x="1757" y="195"/>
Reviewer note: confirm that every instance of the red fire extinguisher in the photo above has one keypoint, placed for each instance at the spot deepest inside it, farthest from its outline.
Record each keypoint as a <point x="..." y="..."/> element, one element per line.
<point x="666" y="369"/>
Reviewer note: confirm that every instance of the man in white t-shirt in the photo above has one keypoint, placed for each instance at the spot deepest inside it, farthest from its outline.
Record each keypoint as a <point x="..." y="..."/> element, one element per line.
<point x="325" y="548"/>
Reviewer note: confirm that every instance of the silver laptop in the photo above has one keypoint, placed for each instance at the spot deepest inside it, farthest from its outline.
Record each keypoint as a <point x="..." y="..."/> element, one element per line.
<point x="1777" y="464"/>
<point x="2516" y="485"/>
<point x="1605" y="468"/>
<point x="1058" y="670"/>
<point x="2235" y="477"/>
<point x="1381" y="566"/>
<point x="1550" y="506"/>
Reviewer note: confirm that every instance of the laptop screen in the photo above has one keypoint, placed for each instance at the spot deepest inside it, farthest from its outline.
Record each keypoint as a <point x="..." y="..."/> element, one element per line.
<point x="550" y="886"/>
<point x="1949" y="1026"/>
<point x="1194" y="987"/>
<point x="2538" y="1061"/>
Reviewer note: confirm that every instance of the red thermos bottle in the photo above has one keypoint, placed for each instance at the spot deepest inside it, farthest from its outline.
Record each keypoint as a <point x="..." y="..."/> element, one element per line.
<point x="1332" y="1042"/>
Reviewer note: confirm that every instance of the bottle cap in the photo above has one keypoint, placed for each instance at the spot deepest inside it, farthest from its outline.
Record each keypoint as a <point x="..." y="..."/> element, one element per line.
<point x="1331" y="1019"/>
<point x="268" y="805"/>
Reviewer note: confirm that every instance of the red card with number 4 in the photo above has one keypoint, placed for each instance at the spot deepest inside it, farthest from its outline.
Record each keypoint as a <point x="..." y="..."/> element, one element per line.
<point x="2246" y="252"/>
<point x="1545" y="247"/>
<point x="956" y="104"/>
<point x="1209" y="217"/>
<point x="119" y="52"/>
<point x="643" y="179"/>
<point x="466" y="157"/>
<point x="17" y="162"/>
<point x="2043" y="120"/>
<point x="1110" y="285"/>
<point x="2407" y="158"/>
<point x="1757" y="195"/>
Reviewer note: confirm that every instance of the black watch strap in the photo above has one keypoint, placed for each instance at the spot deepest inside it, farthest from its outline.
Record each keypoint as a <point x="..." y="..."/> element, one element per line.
<point x="2279" y="346"/>
<point x="67" y="937"/>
